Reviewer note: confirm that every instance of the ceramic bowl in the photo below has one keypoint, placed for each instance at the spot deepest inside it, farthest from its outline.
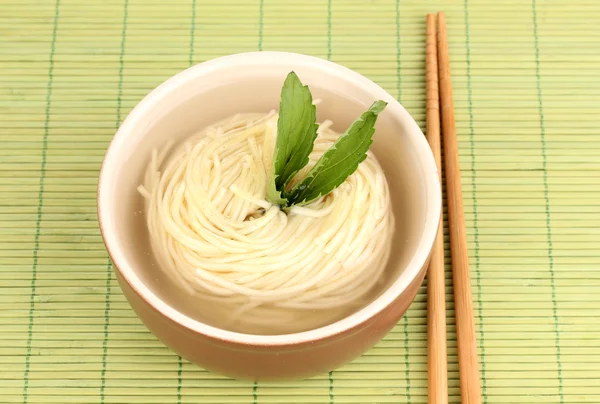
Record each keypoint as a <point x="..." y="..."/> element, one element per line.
<point x="251" y="82"/>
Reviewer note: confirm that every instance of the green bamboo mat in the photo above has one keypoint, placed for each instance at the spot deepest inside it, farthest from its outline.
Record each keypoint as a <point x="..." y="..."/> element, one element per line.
<point x="527" y="95"/>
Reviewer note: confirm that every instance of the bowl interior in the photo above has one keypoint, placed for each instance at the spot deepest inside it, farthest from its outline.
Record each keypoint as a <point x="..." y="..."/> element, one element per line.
<point x="207" y="94"/>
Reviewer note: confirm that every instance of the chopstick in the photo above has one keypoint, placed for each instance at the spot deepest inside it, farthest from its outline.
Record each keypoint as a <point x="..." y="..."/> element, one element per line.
<point x="437" y="368"/>
<point x="465" y="328"/>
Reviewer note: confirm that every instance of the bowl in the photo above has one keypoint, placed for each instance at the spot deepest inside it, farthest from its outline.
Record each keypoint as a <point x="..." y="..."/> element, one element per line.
<point x="251" y="82"/>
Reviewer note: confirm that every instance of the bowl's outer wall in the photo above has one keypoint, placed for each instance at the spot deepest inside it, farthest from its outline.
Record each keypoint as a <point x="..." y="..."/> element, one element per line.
<point x="221" y="88"/>
<point x="253" y="362"/>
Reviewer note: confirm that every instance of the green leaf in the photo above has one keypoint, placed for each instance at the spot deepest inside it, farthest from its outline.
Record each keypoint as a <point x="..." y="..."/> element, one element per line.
<point x="274" y="196"/>
<point x="296" y="134"/>
<point x="340" y="160"/>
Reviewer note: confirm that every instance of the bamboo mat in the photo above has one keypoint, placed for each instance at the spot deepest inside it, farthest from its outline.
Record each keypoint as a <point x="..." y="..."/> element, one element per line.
<point x="527" y="94"/>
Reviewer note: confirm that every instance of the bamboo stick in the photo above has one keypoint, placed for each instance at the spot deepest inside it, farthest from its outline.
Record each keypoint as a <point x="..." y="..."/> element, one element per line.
<point x="465" y="328"/>
<point x="437" y="369"/>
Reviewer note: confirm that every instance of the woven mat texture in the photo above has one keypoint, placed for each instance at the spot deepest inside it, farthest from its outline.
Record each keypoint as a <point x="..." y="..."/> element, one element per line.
<point x="526" y="78"/>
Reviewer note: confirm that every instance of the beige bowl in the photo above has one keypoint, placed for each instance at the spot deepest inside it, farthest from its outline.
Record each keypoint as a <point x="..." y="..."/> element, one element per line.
<point x="251" y="82"/>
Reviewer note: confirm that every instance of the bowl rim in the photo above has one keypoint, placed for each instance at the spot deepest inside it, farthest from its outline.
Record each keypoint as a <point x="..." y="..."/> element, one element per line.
<point x="261" y="58"/>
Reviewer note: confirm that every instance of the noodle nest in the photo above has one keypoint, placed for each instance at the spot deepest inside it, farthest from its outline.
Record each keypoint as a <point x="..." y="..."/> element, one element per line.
<point x="252" y="266"/>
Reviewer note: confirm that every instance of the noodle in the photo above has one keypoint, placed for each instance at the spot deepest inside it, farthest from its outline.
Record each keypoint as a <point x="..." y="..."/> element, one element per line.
<point x="254" y="267"/>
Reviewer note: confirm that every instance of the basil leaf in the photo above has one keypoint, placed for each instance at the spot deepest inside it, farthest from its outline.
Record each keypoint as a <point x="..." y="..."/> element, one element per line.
<point x="296" y="134"/>
<point x="340" y="160"/>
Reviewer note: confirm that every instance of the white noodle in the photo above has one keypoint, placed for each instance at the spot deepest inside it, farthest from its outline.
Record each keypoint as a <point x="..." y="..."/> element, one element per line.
<point x="258" y="268"/>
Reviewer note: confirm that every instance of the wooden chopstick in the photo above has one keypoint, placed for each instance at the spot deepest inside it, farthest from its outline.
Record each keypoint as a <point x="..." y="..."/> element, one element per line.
<point x="465" y="328"/>
<point x="437" y="369"/>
